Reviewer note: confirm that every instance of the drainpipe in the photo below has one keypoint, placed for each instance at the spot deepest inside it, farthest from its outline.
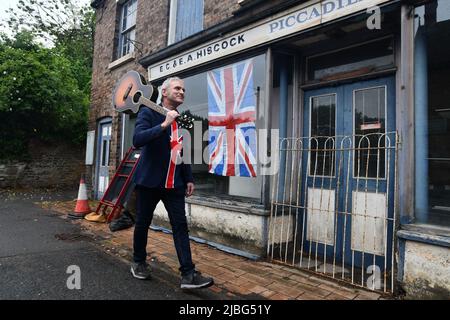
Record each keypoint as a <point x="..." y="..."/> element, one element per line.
<point x="421" y="124"/>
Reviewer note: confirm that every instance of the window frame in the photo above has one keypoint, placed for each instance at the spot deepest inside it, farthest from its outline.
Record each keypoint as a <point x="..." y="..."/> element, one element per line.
<point x="123" y="32"/>
<point x="310" y="132"/>
<point x="172" y="24"/>
<point x="385" y="137"/>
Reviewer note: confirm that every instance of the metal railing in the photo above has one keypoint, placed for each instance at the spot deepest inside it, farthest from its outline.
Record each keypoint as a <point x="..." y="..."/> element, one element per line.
<point x="333" y="207"/>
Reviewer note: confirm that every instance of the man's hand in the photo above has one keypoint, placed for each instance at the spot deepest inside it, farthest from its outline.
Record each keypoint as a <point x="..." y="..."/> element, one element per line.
<point x="189" y="189"/>
<point x="170" y="117"/>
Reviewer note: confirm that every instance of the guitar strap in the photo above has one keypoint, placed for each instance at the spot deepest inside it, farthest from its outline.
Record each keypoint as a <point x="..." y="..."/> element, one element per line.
<point x="175" y="154"/>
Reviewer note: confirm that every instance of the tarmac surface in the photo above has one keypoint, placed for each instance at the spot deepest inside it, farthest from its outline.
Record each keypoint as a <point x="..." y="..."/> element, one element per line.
<point x="38" y="243"/>
<point x="37" y="249"/>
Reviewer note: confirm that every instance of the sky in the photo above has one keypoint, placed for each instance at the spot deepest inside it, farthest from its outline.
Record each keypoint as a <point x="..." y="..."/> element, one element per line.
<point x="6" y="4"/>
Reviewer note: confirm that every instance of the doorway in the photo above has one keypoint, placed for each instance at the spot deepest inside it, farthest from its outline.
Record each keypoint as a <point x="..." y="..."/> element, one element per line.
<point x="337" y="212"/>
<point x="103" y="151"/>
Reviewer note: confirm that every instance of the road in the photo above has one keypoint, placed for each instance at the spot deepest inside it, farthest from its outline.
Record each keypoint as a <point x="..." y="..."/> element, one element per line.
<point x="40" y="254"/>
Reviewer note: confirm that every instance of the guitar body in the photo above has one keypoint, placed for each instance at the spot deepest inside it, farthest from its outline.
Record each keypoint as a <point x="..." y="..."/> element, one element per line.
<point x="129" y="89"/>
<point x="132" y="91"/>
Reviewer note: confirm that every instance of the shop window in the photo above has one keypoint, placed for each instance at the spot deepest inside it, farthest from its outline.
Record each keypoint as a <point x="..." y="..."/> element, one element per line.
<point x="227" y="88"/>
<point x="432" y="113"/>
<point x="127" y="28"/>
<point x="186" y="18"/>
<point x="349" y="62"/>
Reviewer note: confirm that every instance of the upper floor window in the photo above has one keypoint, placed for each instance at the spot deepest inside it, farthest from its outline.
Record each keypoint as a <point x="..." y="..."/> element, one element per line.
<point x="127" y="30"/>
<point x="186" y="18"/>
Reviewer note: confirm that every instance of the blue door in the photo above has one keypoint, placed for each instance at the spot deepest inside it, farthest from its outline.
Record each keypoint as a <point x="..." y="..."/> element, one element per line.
<point x="348" y="180"/>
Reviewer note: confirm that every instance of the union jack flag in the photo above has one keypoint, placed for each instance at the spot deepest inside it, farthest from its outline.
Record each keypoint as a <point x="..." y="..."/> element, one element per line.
<point x="231" y="116"/>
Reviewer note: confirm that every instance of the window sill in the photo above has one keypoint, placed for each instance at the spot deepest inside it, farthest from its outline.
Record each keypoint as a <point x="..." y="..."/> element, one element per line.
<point x="429" y="234"/>
<point x="248" y="3"/>
<point x="232" y="205"/>
<point x="122" y="60"/>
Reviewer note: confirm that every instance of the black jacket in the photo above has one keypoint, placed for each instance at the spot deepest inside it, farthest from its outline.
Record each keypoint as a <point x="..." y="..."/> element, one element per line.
<point x="154" y="142"/>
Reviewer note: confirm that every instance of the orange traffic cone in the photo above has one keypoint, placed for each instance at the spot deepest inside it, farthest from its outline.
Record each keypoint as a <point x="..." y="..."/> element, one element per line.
<point x="82" y="208"/>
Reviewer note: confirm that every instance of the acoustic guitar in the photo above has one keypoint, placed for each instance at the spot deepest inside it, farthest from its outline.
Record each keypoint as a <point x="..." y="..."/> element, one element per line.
<point x="132" y="92"/>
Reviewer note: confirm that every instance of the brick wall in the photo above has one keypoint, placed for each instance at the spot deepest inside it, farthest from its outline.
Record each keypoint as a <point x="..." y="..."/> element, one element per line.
<point x="51" y="165"/>
<point x="152" y="22"/>
<point x="151" y="35"/>
<point x="216" y="11"/>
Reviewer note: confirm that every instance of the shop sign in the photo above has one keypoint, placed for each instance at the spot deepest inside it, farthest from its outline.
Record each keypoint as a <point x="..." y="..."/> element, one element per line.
<point x="300" y="18"/>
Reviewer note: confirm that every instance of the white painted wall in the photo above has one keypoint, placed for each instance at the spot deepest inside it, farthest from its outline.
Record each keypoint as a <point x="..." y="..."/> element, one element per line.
<point x="246" y="226"/>
<point x="426" y="270"/>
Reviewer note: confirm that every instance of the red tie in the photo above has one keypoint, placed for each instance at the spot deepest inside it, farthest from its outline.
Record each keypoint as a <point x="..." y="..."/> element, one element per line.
<point x="175" y="152"/>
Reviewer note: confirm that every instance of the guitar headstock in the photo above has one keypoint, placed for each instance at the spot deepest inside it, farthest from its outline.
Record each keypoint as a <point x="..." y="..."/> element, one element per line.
<point x="185" y="122"/>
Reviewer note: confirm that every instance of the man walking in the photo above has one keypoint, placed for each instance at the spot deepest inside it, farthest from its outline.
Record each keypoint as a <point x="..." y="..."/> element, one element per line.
<point x="161" y="175"/>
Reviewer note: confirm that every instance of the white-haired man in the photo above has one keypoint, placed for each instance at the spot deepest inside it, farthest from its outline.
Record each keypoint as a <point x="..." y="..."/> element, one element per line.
<point x="161" y="176"/>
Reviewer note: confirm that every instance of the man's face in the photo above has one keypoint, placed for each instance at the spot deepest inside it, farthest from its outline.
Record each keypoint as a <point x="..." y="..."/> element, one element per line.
<point x="175" y="92"/>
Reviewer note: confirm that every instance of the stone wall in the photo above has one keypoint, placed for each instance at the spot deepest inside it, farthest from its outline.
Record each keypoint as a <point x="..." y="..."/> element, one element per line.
<point x="240" y="228"/>
<point x="50" y="166"/>
<point x="426" y="271"/>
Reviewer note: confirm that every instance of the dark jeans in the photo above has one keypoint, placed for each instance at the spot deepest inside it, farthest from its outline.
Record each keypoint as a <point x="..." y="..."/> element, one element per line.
<point x="173" y="200"/>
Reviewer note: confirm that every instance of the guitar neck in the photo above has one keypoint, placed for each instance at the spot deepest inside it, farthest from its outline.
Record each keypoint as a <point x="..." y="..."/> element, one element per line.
<point x="150" y="104"/>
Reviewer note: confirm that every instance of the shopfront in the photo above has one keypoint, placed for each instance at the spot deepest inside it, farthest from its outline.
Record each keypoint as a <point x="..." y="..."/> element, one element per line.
<point x="334" y="201"/>
<point x="305" y="127"/>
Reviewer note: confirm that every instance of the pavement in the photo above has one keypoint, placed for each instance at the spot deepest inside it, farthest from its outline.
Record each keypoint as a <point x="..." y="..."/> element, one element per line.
<point x="236" y="277"/>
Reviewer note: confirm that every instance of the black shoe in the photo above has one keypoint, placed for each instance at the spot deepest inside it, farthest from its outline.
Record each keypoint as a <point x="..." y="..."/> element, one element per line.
<point x="141" y="270"/>
<point x="195" y="281"/>
<point x="123" y="222"/>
